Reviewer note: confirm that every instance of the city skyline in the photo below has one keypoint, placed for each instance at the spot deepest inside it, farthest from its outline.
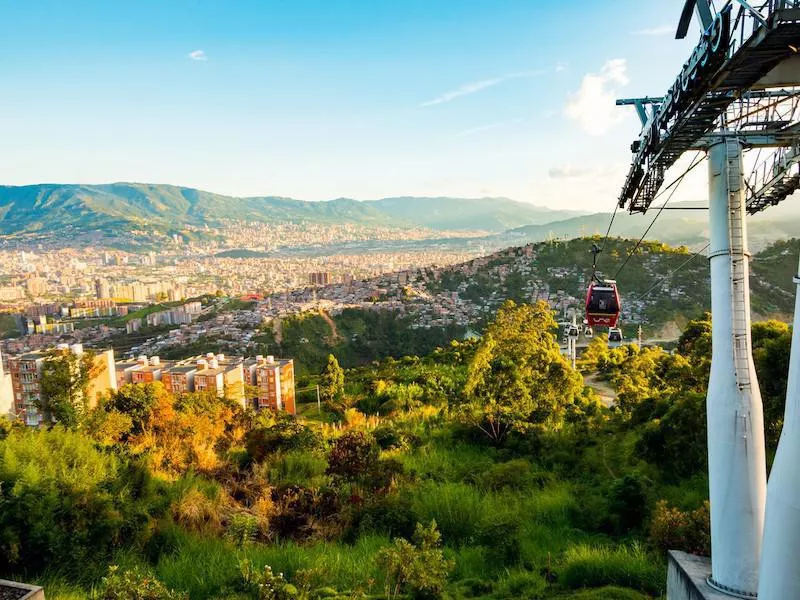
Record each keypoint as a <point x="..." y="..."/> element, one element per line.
<point x="314" y="101"/>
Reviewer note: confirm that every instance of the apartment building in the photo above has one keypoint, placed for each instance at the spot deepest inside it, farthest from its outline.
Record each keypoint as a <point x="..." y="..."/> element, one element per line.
<point x="225" y="376"/>
<point x="222" y="375"/>
<point x="26" y="377"/>
<point x="179" y="379"/>
<point x="275" y="384"/>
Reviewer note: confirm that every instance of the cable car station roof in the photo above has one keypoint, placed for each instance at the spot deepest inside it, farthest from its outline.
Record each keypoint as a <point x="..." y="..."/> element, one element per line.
<point x="743" y="51"/>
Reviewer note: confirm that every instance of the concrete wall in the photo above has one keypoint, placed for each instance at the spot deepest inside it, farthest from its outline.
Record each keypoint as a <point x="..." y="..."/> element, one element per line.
<point x="687" y="577"/>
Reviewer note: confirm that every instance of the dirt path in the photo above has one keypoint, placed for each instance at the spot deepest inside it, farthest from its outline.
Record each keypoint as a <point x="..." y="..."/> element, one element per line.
<point x="607" y="394"/>
<point x="335" y="337"/>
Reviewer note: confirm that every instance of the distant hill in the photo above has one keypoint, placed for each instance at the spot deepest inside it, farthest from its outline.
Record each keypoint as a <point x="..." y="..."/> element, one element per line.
<point x="125" y="206"/>
<point x="488" y="214"/>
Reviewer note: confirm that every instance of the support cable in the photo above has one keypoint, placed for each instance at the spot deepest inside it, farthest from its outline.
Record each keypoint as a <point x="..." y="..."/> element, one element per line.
<point x="677" y="182"/>
<point x="646" y="293"/>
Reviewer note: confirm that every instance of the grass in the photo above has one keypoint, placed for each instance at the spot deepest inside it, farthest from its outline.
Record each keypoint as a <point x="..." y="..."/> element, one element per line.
<point x="205" y="566"/>
<point x="588" y="566"/>
<point x="298" y="468"/>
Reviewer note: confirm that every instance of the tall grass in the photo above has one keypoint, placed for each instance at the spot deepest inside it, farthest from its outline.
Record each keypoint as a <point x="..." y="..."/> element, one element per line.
<point x="207" y="566"/>
<point x="298" y="468"/>
<point x="457" y="463"/>
<point x="597" y="566"/>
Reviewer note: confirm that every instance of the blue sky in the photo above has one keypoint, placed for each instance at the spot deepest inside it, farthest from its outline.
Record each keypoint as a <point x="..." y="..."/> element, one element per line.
<point x="322" y="99"/>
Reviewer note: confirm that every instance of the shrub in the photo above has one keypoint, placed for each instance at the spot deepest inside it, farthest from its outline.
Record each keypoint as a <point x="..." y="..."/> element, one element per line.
<point x="64" y="502"/>
<point x="352" y="456"/>
<point x="387" y="437"/>
<point x="522" y="585"/>
<point x="134" y="584"/>
<point x="628" y="502"/>
<point x="597" y="566"/>
<point x="286" y="434"/>
<point x="673" y="529"/>
<point x="515" y="474"/>
<point x="242" y="529"/>
<point x="419" y="568"/>
<point x="391" y="514"/>
<point x="501" y="536"/>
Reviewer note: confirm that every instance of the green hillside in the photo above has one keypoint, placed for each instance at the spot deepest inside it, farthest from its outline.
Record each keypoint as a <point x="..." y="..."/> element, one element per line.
<point x="130" y="205"/>
<point x="656" y="287"/>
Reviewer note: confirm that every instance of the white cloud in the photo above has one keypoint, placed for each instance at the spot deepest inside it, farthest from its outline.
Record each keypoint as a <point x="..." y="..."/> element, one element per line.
<point x="477" y="86"/>
<point x="198" y="55"/>
<point x="660" y="30"/>
<point x="561" y="66"/>
<point x="593" y="105"/>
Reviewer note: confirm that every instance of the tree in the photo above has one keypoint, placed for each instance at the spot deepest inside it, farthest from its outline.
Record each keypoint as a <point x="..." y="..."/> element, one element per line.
<point x="518" y="378"/>
<point x="65" y="386"/>
<point x="332" y="381"/>
<point x="353" y="455"/>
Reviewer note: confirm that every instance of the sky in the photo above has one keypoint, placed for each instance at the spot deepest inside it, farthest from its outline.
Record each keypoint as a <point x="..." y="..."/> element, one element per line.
<point x="319" y="99"/>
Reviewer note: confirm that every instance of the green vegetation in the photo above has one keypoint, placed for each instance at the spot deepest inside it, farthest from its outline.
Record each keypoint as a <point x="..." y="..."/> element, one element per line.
<point x="358" y="337"/>
<point x="394" y="491"/>
<point x="8" y="326"/>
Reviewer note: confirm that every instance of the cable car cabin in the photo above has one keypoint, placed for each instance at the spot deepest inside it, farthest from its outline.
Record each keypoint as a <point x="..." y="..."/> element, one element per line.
<point x="602" y="304"/>
<point x="614" y="337"/>
<point x="573" y="331"/>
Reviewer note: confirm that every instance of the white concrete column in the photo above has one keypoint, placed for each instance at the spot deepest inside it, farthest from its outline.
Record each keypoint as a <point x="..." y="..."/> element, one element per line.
<point x="736" y="455"/>
<point x="780" y="572"/>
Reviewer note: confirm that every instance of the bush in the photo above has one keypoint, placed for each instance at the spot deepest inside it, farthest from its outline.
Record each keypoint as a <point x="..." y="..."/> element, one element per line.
<point x="352" y="456"/>
<point x="597" y="566"/>
<point x="286" y="434"/>
<point x="419" y="568"/>
<point x="672" y="529"/>
<point x="501" y="536"/>
<point x="64" y="502"/>
<point x="515" y="474"/>
<point x="242" y="529"/>
<point x="522" y="585"/>
<point x="628" y="502"/>
<point x="391" y="515"/>
<point x="135" y="584"/>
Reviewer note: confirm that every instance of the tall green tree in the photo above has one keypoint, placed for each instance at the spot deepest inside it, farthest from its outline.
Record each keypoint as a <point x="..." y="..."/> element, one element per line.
<point x="518" y="378"/>
<point x="331" y="385"/>
<point x="64" y="387"/>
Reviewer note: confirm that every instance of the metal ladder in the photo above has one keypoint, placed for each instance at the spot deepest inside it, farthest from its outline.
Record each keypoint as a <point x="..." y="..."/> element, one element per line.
<point x="739" y="264"/>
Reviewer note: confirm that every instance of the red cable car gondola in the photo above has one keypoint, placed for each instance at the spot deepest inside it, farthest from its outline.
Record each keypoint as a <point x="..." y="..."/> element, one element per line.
<point x="602" y="304"/>
<point x="602" y="298"/>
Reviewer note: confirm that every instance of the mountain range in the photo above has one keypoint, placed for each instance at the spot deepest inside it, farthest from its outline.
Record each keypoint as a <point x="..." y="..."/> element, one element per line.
<point x="50" y="207"/>
<point x="117" y="208"/>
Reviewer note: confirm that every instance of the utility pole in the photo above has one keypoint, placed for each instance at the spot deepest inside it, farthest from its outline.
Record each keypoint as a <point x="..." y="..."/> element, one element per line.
<point x="640" y="337"/>
<point x="319" y="404"/>
<point x="736" y="453"/>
